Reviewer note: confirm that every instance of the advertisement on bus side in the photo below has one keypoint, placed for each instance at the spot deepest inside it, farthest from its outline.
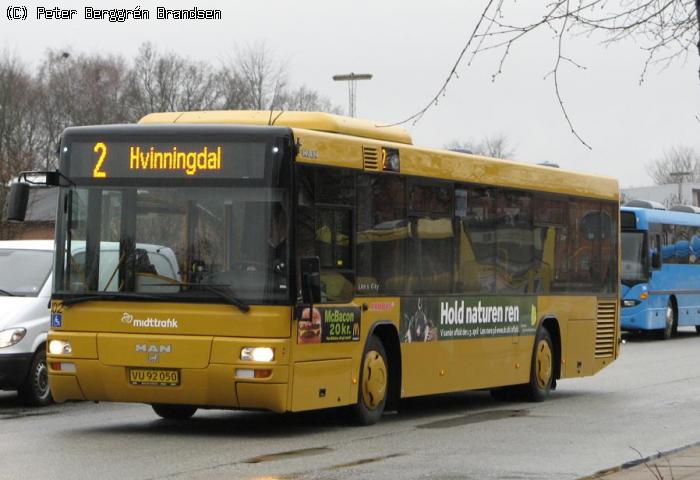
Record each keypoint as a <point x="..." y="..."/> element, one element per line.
<point x="425" y="319"/>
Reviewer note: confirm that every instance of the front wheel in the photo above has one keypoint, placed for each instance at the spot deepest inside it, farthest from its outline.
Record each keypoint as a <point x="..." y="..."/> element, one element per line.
<point x="173" y="412"/>
<point x="35" y="389"/>
<point x="541" y="369"/>
<point x="671" y="325"/>
<point x="374" y="382"/>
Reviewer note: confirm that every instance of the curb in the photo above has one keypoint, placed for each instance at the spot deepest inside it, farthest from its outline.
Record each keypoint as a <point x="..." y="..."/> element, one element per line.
<point x="633" y="463"/>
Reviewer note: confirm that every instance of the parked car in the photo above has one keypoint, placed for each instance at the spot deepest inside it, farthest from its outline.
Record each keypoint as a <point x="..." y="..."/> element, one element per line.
<point x="25" y="291"/>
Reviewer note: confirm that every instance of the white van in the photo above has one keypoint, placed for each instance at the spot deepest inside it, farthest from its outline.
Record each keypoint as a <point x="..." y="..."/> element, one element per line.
<point x="25" y="293"/>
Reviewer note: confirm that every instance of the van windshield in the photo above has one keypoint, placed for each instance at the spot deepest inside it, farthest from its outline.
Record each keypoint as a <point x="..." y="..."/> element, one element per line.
<point x="23" y="272"/>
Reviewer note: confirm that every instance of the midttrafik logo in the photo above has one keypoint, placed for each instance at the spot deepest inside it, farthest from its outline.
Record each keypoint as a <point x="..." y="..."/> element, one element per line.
<point x="150" y="322"/>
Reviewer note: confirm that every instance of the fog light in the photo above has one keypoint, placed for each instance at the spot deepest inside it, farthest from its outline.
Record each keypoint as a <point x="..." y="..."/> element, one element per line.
<point x="11" y="336"/>
<point x="257" y="354"/>
<point x="63" y="367"/>
<point x="60" y="347"/>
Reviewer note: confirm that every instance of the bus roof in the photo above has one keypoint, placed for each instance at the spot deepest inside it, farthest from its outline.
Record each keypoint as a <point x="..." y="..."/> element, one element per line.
<point x="324" y="122"/>
<point x="352" y="143"/>
<point x="646" y="216"/>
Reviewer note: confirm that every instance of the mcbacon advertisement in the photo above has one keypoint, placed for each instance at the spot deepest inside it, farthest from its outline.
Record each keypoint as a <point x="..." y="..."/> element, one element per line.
<point x="329" y="324"/>
<point x="425" y="319"/>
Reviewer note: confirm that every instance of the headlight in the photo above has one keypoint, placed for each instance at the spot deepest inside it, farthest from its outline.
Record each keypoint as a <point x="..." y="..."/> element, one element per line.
<point x="257" y="354"/>
<point x="60" y="347"/>
<point x="630" y="303"/>
<point x="11" y="336"/>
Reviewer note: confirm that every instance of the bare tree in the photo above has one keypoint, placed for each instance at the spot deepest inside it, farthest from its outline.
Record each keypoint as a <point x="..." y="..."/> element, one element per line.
<point x="78" y="90"/>
<point x="305" y="99"/>
<point x="167" y="82"/>
<point x="18" y="123"/>
<point x="253" y="80"/>
<point x="676" y="161"/>
<point x="666" y="30"/>
<point x="496" y="146"/>
<point x="257" y="80"/>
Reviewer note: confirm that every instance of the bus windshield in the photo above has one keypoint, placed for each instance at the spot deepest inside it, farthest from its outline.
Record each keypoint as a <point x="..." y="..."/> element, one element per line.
<point x="177" y="242"/>
<point x="633" y="257"/>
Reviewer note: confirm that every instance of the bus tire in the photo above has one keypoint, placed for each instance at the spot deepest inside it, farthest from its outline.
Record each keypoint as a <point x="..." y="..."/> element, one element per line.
<point x="541" y="368"/>
<point x="173" y="412"/>
<point x="671" y="325"/>
<point x="697" y="329"/>
<point x="35" y="389"/>
<point x="373" y="385"/>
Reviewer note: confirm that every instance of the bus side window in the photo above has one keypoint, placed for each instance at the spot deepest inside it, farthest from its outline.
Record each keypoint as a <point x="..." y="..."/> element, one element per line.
<point x="325" y="207"/>
<point x="383" y="232"/>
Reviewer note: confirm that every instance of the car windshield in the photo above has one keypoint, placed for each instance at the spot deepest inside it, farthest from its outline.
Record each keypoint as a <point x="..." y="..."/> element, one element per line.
<point x="633" y="257"/>
<point x="23" y="272"/>
<point x="177" y="242"/>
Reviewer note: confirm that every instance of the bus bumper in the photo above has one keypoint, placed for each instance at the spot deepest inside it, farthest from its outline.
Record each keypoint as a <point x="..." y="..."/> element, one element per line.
<point x="214" y="386"/>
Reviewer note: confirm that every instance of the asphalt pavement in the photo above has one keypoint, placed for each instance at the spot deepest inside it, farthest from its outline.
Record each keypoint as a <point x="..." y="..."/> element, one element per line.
<point x="643" y="404"/>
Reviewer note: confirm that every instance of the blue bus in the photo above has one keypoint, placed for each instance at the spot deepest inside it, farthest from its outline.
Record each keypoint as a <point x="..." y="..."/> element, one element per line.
<point x="660" y="271"/>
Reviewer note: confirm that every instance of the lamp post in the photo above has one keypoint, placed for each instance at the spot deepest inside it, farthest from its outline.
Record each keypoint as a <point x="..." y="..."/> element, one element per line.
<point x="351" y="78"/>
<point x="680" y="176"/>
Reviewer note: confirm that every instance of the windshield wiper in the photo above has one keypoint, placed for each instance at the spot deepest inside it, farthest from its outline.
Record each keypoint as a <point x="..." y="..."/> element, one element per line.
<point x="6" y="293"/>
<point x="111" y="296"/>
<point x="221" y="290"/>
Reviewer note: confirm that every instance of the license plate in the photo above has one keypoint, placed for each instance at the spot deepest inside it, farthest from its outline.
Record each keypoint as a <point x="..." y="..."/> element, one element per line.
<point x="154" y="376"/>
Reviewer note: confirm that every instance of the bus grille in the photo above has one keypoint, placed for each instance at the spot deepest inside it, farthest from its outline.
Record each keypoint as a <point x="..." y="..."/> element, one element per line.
<point x="370" y="155"/>
<point x="605" y="329"/>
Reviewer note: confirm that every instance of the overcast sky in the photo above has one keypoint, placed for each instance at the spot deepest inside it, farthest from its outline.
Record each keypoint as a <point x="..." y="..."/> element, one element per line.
<point x="409" y="47"/>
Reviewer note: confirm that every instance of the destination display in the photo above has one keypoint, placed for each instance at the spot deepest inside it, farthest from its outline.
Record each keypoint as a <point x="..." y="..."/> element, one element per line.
<point x="104" y="160"/>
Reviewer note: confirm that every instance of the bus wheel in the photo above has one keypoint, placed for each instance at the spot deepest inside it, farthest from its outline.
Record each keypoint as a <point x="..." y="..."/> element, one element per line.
<point x="541" y="369"/>
<point x="35" y="390"/>
<point x="374" y="382"/>
<point x="173" y="412"/>
<point x="697" y="329"/>
<point x="671" y="325"/>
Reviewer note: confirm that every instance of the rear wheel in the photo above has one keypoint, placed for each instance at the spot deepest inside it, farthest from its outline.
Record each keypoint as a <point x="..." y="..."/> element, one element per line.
<point x="671" y="325"/>
<point x="173" y="412"/>
<point x="35" y="389"/>
<point x="697" y="329"/>
<point x="374" y="383"/>
<point x="541" y="369"/>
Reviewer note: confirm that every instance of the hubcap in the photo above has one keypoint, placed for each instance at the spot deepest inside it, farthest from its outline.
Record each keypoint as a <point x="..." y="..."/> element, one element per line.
<point x="543" y="364"/>
<point x="374" y="380"/>
<point x="669" y="317"/>
<point x="41" y="379"/>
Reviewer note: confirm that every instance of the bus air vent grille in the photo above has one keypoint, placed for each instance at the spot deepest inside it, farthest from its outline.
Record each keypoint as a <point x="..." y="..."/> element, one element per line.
<point x="605" y="331"/>
<point x="370" y="156"/>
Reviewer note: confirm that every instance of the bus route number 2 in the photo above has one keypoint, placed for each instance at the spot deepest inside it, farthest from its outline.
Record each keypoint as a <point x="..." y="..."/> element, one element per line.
<point x="101" y="150"/>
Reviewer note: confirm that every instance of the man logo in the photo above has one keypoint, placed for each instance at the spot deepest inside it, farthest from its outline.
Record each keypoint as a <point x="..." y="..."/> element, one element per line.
<point x="127" y="318"/>
<point x="153" y="351"/>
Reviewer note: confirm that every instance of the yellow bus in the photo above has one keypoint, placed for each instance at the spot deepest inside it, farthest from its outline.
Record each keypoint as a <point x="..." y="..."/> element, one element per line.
<point x="297" y="261"/>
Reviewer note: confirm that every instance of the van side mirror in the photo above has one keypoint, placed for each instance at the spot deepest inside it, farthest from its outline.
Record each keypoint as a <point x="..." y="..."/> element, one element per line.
<point x="311" y="280"/>
<point x="655" y="260"/>
<point x="17" y="202"/>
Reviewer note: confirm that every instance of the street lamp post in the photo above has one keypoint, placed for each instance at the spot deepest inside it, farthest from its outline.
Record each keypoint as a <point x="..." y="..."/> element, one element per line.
<point x="351" y="78"/>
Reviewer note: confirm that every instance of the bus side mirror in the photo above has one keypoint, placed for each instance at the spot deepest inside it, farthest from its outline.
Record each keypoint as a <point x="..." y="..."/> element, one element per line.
<point x="655" y="260"/>
<point x="311" y="280"/>
<point x="17" y="202"/>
